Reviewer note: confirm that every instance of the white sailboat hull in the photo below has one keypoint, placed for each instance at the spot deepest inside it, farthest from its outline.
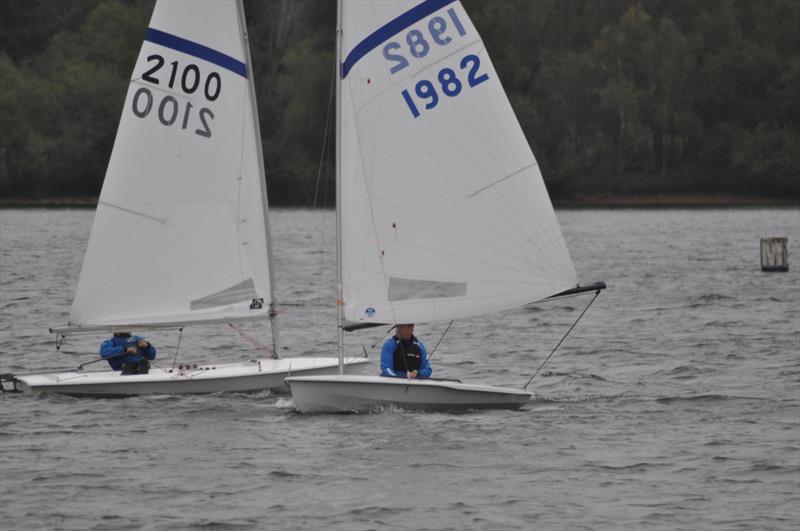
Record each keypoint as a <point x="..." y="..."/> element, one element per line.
<point x="354" y="393"/>
<point x="248" y="377"/>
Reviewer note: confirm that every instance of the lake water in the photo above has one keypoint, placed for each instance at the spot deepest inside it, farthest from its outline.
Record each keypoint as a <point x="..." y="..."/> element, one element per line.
<point x="675" y="404"/>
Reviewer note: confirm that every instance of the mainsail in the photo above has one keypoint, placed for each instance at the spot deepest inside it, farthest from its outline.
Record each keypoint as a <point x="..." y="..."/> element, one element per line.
<point x="444" y="213"/>
<point x="180" y="235"/>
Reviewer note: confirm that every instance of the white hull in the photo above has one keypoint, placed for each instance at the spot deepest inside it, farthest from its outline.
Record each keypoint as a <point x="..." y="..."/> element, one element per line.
<point x="352" y="393"/>
<point x="248" y="377"/>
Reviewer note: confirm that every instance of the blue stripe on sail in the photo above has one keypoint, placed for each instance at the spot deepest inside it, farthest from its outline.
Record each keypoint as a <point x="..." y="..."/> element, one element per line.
<point x="197" y="50"/>
<point x="389" y="30"/>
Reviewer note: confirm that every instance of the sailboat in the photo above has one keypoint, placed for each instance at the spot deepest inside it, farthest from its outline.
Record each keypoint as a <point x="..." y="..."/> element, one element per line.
<point x="181" y="233"/>
<point x="442" y="212"/>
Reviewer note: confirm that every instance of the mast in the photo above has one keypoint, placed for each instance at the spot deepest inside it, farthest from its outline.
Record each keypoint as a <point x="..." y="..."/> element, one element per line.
<point x="339" y="290"/>
<point x="273" y="312"/>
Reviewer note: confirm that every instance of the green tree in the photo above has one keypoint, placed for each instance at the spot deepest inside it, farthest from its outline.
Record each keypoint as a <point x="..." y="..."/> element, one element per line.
<point x="624" y="95"/>
<point x="18" y="138"/>
<point x="627" y="96"/>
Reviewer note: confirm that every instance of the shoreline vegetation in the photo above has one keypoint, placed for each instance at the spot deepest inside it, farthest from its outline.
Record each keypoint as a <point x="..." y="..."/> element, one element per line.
<point x="588" y="201"/>
<point x="626" y="103"/>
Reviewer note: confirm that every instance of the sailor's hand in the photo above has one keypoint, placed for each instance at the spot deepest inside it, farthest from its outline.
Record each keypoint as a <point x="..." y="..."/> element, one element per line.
<point x="130" y="350"/>
<point x="412" y="374"/>
<point x="143" y="343"/>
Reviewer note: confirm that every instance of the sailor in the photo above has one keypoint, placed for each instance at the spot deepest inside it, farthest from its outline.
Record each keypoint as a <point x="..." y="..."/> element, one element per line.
<point x="405" y="356"/>
<point x="128" y="354"/>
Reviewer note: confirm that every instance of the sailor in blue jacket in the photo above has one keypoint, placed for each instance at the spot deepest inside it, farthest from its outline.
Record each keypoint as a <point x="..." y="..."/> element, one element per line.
<point x="139" y="352"/>
<point x="405" y="356"/>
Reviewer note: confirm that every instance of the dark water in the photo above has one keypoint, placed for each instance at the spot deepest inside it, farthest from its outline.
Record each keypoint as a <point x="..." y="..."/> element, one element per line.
<point x="674" y="405"/>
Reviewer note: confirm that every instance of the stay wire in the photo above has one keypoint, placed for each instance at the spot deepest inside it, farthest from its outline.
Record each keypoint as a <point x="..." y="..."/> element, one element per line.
<point x="597" y="293"/>
<point x="175" y="359"/>
<point x="440" y="340"/>
<point x="322" y="163"/>
<point x="324" y="138"/>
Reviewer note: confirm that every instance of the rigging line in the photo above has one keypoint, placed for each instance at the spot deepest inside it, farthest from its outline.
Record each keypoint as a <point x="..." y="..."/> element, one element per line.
<point x="597" y="293"/>
<point x="254" y="342"/>
<point x="82" y="365"/>
<point x="440" y="340"/>
<point x="175" y="359"/>
<point x="383" y="338"/>
<point x="325" y="136"/>
<point x="321" y="225"/>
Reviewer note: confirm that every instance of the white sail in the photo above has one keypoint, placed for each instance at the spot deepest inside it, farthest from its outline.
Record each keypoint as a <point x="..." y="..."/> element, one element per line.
<point x="444" y="211"/>
<point x="180" y="231"/>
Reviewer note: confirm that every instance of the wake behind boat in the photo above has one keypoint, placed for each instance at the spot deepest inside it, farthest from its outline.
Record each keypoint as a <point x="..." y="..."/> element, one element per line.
<point x="442" y="211"/>
<point x="181" y="232"/>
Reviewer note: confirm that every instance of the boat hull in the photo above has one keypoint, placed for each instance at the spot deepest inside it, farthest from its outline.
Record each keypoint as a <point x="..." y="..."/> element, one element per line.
<point x="353" y="393"/>
<point x="249" y="377"/>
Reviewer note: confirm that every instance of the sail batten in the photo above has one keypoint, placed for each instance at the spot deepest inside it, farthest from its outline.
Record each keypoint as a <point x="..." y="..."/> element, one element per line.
<point x="180" y="231"/>
<point x="444" y="212"/>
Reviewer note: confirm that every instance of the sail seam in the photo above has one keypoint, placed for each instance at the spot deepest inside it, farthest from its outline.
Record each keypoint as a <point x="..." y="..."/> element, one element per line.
<point x="463" y="258"/>
<point x="466" y="155"/>
<point x="498" y="181"/>
<point x="461" y="207"/>
<point x="134" y="212"/>
<point x="542" y="205"/>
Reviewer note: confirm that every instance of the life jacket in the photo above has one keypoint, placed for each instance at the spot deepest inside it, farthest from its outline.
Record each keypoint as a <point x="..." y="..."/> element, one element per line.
<point x="412" y="352"/>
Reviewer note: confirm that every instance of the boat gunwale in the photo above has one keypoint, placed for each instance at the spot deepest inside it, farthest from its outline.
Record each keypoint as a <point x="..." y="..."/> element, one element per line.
<point x="421" y="382"/>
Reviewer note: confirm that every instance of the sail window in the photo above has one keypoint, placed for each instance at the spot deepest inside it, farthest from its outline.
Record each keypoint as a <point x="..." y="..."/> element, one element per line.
<point x="243" y="291"/>
<point x="402" y="289"/>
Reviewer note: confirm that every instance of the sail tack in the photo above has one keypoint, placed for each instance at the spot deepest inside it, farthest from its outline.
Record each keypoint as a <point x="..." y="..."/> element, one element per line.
<point x="179" y="235"/>
<point x="444" y="211"/>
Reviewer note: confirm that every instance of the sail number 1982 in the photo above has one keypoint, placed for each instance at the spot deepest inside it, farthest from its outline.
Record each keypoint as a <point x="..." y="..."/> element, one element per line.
<point x="447" y="82"/>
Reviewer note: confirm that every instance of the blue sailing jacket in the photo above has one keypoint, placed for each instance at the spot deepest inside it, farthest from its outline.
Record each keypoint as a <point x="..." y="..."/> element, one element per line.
<point x="117" y="345"/>
<point x="388" y="367"/>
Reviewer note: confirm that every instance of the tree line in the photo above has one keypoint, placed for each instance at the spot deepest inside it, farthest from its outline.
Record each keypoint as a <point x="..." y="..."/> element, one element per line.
<point x="617" y="97"/>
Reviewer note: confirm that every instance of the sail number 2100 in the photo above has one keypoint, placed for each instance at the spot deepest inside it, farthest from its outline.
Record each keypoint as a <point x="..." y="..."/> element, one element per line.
<point x="169" y="109"/>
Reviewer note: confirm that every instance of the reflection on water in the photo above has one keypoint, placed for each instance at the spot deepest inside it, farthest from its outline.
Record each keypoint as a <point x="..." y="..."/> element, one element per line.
<point x="674" y="404"/>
